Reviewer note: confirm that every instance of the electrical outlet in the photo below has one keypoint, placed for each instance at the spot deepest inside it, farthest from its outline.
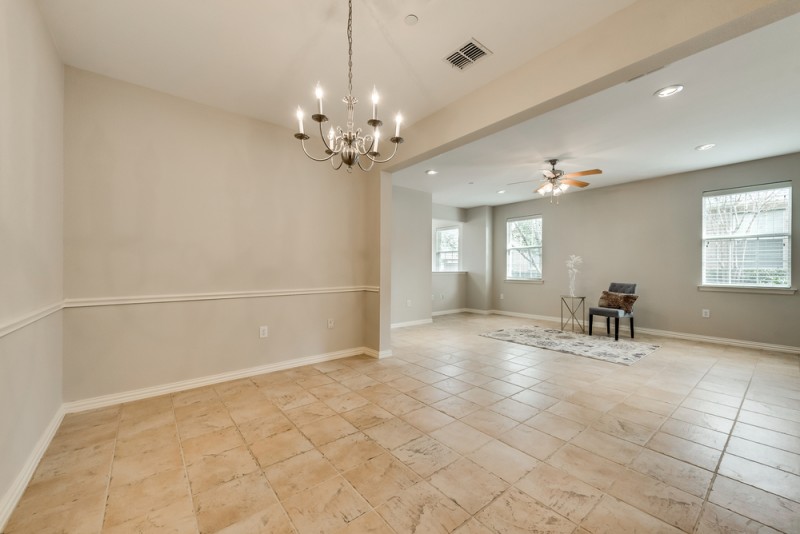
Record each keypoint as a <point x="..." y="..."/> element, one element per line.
<point x="706" y="313"/>
<point x="502" y="296"/>
<point x="331" y="323"/>
<point x="263" y="331"/>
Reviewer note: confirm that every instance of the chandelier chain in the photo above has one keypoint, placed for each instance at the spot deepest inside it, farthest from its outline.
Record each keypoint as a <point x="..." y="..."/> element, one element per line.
<point x="350" y="47"/>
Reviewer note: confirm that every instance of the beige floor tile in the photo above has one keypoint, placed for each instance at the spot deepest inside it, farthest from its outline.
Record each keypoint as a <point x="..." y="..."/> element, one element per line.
<point x="314" y="381"/>
<point x="422" y="508"/>
<point x="129" y="428"/>
<point x="369" y="523"/>
<point x="518" y="411"/>
<point x="428" y="394"/>
<point x="381" y="478"/>
<point x="489" y="422"/>
<point x="427" y="419"/>
<point x="717" y="520"/>
<point x="469" y="485"/>
<point x="555" y="425"/>
<point x="460" y="437"/>
<point x="761" y="476"/>
<point x="204" y="421"/>
<point x="611" y="516"/>
<point x="531" y="441"/>
<point x="279" y="447"/>
<point x="175" y="518"/>
<point x="328" y="391"/>
<point x="271" y="520"/>
<point x="772" y="423"/>
<point x="651" y="405"/>
<point x="145" y="496"/>
<point x="607" y="446"/>
<point x="771" y="510"/>
<point x="505" y="461"/>
<point x="764" y="436"/>
<point x="589" y="399"/>
<point x="406" y="384"/>
<point x="473" y="526"/>
<point x="535" y="399"/>
<point x="425" y="455"/>
<point x="713" y="422"/>
<point x="232" y="502"/>
<point x="288" y="396"/>
<point x="515" y="512"/>
<point x="81" y="515"/>
<point x="309" y="413"/>
<point x="481" y="396"/>
<point x="456" y="407"/>
<point x="521" y="380"/>
<point x="453" y="386"/>
<point x="212" y="443"/>
<point x="350" y="451"/>
<point x="769" y="409"/>
<point x="588" y="467"/>
<point x="133" y="467"/>
<point x="575" y="412"/>
<point x="392" y="433"/>
<point x="399" y="404"/>
<point x="299" y="473"/>
<point x="637" y="415"/>
<point x="326" y="430"/>
<point x="677" y="473"/>
<point x="346" y="402"/>
<point x="710" y="407"/>
<point x="633" y="432"/>
<point x="95" y="459"/>
<point x="667" y="503"/>
<point x="367" y="416"/>
<point x="264" y="427"/>
<point x="213" y="469"/>
<point x="501" y="387"/>
<point x="560" y="491"/>
<point x="698" y="434"/>
<point x="685" y="450"/>
<point x="777" y="458"/>
<point x="326" y="507"/>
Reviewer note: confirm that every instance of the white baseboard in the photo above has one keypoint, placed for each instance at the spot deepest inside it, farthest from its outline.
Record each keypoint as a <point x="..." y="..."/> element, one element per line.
<point x="412" y="323"/>
<point x="377" y="354"/>
<point x="9" y="501"/>
<point x="163" y="389"/>
<point x="448" y="312"/>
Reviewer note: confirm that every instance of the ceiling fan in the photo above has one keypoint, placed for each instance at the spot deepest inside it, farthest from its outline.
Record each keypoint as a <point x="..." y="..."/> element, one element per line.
<point x="556" y="182"/>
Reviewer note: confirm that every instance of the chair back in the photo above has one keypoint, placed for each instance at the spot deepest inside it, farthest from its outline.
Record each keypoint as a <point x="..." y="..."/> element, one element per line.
<point x="622" y="287"/>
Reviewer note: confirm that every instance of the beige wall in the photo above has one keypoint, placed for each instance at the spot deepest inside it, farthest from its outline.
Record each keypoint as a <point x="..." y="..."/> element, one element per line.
<point x="649" y="232"/>
<point x="168" y="197"/>
<point x="448" y="291"/>
<point x="31" y="194"/>
<point x="411" y="255"/>
<point x="478" y="257"/>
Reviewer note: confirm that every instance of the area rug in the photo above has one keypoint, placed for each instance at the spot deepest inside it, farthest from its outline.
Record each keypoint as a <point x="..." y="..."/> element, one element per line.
<point x="598" y="347"/>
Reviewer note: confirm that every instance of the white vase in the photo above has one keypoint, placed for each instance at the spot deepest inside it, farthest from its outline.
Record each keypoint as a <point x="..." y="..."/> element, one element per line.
<point x="572" y="283"/>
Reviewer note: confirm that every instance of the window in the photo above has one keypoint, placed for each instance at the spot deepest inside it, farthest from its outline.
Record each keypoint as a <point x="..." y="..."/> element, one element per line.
<point x="445" y="257"/>
<point x="524" y="248"/>
<point x="747" y="235"/>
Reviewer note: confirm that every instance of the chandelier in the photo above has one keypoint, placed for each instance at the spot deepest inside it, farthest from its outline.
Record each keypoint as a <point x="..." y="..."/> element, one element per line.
<point x="349" y="147"/>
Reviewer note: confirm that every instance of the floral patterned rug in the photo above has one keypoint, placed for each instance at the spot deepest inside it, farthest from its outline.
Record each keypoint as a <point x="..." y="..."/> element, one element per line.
<point x="598" y="347"/>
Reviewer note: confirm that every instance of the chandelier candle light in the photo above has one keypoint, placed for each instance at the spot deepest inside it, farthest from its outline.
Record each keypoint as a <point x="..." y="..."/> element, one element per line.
<point x="349" y="145"/>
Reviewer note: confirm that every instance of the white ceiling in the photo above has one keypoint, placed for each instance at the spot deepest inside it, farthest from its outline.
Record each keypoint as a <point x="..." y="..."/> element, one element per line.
<point x="742" y="95"/>
<point x="261" y="58"/>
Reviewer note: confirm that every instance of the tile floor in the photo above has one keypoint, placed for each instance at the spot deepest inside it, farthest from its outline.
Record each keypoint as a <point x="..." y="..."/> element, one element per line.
<point x="455" y="433"/>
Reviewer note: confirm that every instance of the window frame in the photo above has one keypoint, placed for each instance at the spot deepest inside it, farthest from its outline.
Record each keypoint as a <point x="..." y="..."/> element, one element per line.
<point x="510" y="249"/>
<point x="436" y="251"/>
<point x="708" y="238"/>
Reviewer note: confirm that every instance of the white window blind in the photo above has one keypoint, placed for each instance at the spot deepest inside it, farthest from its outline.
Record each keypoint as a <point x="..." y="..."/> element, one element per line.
<point x="447" y="249"/>
<point x="524" y="248"/>
<point x="747" y="236"/>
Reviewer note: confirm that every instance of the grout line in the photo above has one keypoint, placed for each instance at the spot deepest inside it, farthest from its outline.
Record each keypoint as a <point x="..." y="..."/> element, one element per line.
<point x="111" y="468"/>
<point x="724" y="448"/>
<point x="183" y="461"/>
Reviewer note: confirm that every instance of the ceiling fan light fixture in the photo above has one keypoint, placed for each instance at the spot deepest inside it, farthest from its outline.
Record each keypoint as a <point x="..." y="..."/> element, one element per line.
<point x="668" y="91"/>
<point x="431" y="172"/>
<point x="501" y="192"/>
<point x="703" y="148"/>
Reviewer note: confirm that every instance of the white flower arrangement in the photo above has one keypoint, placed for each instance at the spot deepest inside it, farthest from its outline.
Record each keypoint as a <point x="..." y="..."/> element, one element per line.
<point x="572" y="269"/>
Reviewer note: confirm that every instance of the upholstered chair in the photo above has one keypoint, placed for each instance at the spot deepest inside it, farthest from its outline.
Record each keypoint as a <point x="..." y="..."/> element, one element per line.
<point x="616" y="313"/>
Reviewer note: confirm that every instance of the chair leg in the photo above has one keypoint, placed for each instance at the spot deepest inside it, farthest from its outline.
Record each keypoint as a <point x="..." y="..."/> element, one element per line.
<point x="608" y="325"/>
<point x="590" y="324"/>
<point x="631" y="327"/>
<point x="616" y="328"/>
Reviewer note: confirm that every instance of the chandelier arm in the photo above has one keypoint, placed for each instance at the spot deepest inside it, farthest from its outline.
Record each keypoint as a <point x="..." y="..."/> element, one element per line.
<point x="366" y="169"/>
<point x="376" y="160"/>
<point x="337" y="167"/>
<point x="312" y="157"/>
<point x="328" y="148"/>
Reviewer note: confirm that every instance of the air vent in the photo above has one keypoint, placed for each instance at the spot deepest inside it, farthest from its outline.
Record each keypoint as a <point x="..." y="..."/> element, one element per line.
<point x="467" y="55"/>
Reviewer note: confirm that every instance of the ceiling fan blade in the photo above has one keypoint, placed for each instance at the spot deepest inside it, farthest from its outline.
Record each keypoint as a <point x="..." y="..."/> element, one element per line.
<point x="582" y="173"/>
<point x="548" y="173"/>
<point x="575" y="183"/>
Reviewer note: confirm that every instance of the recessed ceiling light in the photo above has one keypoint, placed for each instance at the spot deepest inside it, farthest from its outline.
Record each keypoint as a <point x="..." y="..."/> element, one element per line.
<point x="501" y="191"/>
<point x="709" y="146"/>
<point x="470" y="183"/>
<point x="431" y="172"/>
<point x="669" y="90"/>
<point x="411" y="19"/>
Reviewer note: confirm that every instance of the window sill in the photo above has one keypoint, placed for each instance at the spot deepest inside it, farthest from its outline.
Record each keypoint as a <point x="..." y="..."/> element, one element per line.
<point x="523" y="281"/>
<point x="745" y="289"/>
<point x="449" y="272"/>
